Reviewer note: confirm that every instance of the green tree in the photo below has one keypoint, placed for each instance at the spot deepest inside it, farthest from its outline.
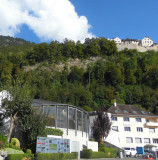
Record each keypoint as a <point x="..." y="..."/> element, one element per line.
<point x="18" y="106"/>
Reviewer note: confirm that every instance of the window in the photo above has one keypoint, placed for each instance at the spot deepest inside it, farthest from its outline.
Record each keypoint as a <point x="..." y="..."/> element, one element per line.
<point x="146" y="140"/>
<point x="139" y="129"/>
<point x="138" y="140"/>
<point x="126" y="119"/>
<point x="115" y="128"/>
<point x="125" y="111"/>
<point x="116" y="111"/>
<point x="135" y="112"/>
<point x="151" y="130"/>
<point x="129" y="140"/>
<point x="114" y="118"/>
<point x="147" y="120"/>
<point x="155" y="140"/>
<point x="143" y="112"/>
<point x="138" y="120"/>
<point x="128" y="129"/>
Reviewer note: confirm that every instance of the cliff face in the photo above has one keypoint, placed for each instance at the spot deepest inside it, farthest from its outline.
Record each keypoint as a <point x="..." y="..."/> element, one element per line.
<point x="122" y="46"/>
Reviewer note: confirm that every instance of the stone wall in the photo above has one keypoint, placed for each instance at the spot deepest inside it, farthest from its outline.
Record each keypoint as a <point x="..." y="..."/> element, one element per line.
<point x="122" y="46"/>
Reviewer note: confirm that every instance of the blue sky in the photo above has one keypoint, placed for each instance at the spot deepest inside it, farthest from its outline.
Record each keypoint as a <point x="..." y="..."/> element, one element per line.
<point x="80" y="19"/>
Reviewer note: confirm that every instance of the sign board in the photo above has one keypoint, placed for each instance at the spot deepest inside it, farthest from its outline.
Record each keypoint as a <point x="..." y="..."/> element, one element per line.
<point x="52" y="145"/>
<point x="140" y="150"/>
<point x="92" y="145"/>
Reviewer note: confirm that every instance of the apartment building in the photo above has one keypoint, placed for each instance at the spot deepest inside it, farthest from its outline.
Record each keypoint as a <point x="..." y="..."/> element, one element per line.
<point x="133" y="127"/>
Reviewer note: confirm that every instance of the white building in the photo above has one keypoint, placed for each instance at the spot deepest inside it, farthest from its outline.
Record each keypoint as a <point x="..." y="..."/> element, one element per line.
<point x="116" y="40"/>
<point x="72" y="120"/>
<point x="133" y="126"/>
<point x="147" y="42"/>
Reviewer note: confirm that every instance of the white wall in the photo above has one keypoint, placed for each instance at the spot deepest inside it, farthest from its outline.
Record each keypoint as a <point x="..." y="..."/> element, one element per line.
<point x="134" y="133"/>
<point x="82" y="139"/>
<point x="147" y="42"/>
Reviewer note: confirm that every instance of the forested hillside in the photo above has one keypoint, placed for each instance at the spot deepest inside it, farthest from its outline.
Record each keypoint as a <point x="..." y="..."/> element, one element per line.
<point x="129" y="76"/>
<point x="10" y="41"/>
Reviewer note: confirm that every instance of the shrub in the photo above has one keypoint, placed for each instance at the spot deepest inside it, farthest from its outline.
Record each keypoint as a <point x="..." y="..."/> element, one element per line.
<point x="28" y="151"/>
<point x="3" y="141"/>
<point x="102" y="149"/>
<point x="3" y="138"/>
<point x="86" y="153"/>
<point x="92" y="139"/>
<point x="56" y="156"/>
<point x="111" y="152"/>
<point x="20" y="156"/>
<point x="15" y="142"/>
<point x="52" y="131"/>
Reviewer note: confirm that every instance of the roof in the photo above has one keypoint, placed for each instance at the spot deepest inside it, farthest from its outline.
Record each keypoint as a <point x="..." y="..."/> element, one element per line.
<point x="41" y="102"/>
<point x="122" y="109"/>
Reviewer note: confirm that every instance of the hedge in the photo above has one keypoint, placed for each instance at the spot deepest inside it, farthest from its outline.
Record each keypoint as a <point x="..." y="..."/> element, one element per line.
<point x="56" y="156"/>
<point x="52" y="131"/>
<point x="103" y="153"/>
<point x="20" y="156"/>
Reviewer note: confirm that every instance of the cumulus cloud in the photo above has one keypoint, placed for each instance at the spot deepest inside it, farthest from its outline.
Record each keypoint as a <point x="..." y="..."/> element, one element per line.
<point x="48" y="19"/>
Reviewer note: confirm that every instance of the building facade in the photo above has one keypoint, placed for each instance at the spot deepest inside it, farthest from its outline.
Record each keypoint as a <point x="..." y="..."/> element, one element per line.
<point x="133" y="127"/>
<point x="147" y="42"/>
<point x="72" y="120"/>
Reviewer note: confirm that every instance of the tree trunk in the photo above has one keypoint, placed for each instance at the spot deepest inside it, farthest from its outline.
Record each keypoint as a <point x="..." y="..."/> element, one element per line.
<point x="11" y="127"/>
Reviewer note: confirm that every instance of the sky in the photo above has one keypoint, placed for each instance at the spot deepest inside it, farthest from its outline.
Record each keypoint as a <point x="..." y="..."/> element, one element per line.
<point x="47" y="20"/>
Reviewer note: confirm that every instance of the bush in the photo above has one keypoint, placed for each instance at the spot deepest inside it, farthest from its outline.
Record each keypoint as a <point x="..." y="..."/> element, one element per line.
<point x="103" y="153"/>
<point x="3" y="138"/>
<point x="102" y="149"/>
<point x="56" y="156"/>
<point x="52" y="131"/>
<point x="111" y="152"/>
<point x="20" y="156"/>
<point x="3" y="141"/>
<point x="86" y="153"/>
<point x="15" y="142"/>
<point x="28" y="151"/>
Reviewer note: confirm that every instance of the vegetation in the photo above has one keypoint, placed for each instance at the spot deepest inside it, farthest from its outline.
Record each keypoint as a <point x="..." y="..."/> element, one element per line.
<point x="52" y="131"/>
<point x="101" y="126"/>
<point x="15" y="142"/>
<point x="18" y="105"/>
<point x="128" y="76"/>
<point x="56" y="156"/>
<point x="52" y="71"/>
<point x="19" y="156"/>
<point x="106" y="153"/>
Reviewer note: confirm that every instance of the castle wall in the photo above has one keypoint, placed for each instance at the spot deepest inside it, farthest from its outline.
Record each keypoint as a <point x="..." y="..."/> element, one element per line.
<point x="122" y="46"/>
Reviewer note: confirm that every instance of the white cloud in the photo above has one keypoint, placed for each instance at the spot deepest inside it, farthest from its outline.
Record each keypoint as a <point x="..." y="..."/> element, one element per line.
<point x="48" y="19"/>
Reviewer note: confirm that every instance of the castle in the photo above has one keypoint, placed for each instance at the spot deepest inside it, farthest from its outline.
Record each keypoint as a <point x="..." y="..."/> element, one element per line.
<point x="141" y="45"/>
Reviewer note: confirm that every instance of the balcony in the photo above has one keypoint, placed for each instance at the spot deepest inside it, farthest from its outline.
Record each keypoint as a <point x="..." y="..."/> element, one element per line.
<point x="151" y="124"/>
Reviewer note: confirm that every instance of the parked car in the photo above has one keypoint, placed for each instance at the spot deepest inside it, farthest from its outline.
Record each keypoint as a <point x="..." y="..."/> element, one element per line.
<point x="130" y="152"/>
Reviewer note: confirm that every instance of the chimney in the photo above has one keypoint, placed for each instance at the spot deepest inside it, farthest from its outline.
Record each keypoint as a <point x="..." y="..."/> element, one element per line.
<point x="115" y="104"/>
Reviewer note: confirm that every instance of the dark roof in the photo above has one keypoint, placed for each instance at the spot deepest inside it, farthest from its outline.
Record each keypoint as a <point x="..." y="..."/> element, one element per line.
<point x="122" y="109"/>
<point x="128" y="39"/>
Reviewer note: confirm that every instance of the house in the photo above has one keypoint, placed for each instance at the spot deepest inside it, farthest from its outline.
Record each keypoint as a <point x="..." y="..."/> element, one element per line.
<point x="147" y="42"/>
<point x="134" y="126"/>
<point x="116" y="40"/>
